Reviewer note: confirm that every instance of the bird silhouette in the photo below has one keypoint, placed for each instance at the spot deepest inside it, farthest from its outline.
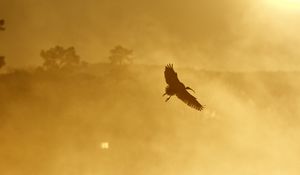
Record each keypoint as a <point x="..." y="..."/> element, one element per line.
<point x="175" y="87"/>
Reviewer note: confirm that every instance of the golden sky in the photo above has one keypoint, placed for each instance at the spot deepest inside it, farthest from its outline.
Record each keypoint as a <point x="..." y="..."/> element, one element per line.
<point x="222" y="35"/>
<point x="112" y="120"/>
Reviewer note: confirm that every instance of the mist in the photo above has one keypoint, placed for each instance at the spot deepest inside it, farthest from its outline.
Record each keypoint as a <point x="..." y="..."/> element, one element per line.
<point x="69" y="106"/>
<point x="55" y="123"/>
<point x="226" y="35"/>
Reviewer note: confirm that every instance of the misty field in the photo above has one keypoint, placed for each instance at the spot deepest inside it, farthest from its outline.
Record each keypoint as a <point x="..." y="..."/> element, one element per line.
<point x="53" y="123"/>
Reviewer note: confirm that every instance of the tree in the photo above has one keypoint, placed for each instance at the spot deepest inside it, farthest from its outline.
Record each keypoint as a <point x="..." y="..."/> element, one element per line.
<point x="120" y="55"/>
<point x="2" y="22"/>
<point x="57" y="58"/>
<point x="2" y="58"/>
<point x="2" y="61"/>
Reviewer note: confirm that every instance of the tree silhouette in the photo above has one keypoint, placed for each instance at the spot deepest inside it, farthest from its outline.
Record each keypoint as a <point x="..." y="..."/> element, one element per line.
<point x="2" y="61"/>
<point x="59" y="58"/>
<point x="2" y="58"/>
<point x="2" y="22"/>
<point x="120" y="55"/>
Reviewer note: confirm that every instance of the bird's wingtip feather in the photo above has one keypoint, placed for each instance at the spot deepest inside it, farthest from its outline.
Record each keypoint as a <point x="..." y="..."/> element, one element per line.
<point x="169" y="66"/>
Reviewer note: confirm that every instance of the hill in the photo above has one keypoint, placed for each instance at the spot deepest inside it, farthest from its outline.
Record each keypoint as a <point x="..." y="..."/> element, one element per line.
<point x="55" y="122"/>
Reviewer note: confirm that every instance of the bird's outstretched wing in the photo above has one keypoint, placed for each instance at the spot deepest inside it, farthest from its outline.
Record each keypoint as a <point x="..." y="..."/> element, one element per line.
<point x="190" y="100"/>
<point x="171" y="75"/>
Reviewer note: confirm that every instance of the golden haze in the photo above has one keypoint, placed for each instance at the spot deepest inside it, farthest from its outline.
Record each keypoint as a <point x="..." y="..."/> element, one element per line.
<point x="241" y="58"/>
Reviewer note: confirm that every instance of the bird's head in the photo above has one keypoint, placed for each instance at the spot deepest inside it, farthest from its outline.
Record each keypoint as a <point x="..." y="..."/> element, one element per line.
<point x="188" y="88"/>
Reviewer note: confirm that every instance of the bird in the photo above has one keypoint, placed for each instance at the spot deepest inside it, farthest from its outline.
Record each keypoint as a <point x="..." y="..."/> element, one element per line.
<point x="175" y="87"/>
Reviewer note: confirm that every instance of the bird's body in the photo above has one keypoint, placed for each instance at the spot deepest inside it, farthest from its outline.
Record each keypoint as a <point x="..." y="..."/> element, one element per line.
<point x="175" y="87"/>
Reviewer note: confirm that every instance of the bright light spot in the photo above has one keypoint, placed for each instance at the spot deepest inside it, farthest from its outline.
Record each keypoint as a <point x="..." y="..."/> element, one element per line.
<point x="104" y="145"/>
<point x="213" y="114"/>
<point x="284" y="4"/>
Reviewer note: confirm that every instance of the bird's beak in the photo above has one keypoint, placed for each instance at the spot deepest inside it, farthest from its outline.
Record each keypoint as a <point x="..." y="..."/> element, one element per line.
<point x="188" y="88"/>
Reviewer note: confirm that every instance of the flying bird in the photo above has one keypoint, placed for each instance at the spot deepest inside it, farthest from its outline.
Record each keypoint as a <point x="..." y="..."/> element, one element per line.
<point x="175" y="87"/>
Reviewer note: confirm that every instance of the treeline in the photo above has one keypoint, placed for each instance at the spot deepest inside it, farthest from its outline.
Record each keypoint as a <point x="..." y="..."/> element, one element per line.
<point x="67" y="59"/>
<point x="59" y="58"/>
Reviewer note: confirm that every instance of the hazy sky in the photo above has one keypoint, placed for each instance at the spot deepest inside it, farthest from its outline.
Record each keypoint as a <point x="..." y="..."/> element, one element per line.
<point x="232" y="34"/>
